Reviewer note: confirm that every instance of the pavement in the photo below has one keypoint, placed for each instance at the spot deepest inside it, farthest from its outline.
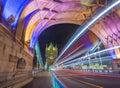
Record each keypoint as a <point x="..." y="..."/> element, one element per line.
<point x="41" y="80"/>
<point x="73" y="79"/>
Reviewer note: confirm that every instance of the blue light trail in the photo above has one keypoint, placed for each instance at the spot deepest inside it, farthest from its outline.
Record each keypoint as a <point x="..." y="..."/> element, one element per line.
<point x="67" y="56"/>
<point x="99" y="52"/>
<point x="82" y="30"/>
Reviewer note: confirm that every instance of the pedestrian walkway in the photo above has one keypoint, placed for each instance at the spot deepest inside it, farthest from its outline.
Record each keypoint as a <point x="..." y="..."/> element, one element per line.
<point x="41" y="80"/>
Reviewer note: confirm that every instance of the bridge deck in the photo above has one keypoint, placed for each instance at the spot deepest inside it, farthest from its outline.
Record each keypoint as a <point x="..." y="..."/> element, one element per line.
<point x="41" y="80"/>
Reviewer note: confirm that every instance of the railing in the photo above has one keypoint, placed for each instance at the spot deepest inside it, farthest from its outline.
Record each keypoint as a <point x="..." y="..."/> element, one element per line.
<point x="35" y="72"/>
<point x="55" y="81"/>
<point x="100" y="71"/>
<point x="10" y="79"/>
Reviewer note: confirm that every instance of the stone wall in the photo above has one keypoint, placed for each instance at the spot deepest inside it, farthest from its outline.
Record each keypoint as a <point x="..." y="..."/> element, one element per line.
<point x="11" y="50"/>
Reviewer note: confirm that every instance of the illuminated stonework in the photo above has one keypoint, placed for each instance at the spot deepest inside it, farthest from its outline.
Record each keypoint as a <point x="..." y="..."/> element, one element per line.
<point x="108" y="30"/>
<point x="51" y="53"/>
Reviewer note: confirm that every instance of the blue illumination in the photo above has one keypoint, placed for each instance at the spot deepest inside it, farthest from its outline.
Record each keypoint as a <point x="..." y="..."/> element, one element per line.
<point x="86" y="41"/>
<point x="56" y="82"/>
<point x="59" y="1"/>
<point x="112" y="53"/>
<point x="13" y="7"/>
<point x="82" y="30"/>
<point x="37" y="31"/>
<point x="38" y="53"/>
<point x="28" y="17"/>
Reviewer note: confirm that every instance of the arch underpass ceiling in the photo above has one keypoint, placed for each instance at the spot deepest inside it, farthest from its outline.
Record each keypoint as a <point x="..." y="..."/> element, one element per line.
<point x="33" y="16"/>
<point x="52" y="12"/>
<point x="108" y="26"/>
<point x="108" y="30"/>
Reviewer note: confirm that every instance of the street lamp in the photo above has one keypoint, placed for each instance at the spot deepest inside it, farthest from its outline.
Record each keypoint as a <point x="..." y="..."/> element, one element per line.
<point x="88" y="58"/>
<point x="99" y="56"/>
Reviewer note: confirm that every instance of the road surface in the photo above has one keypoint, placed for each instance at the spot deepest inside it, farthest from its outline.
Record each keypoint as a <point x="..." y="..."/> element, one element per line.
<point x="42" y="80"/>
<point x="73" y="79"/>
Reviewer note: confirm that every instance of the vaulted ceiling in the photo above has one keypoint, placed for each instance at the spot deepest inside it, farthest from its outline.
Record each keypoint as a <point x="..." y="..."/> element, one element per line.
<point x="31" y="17"/>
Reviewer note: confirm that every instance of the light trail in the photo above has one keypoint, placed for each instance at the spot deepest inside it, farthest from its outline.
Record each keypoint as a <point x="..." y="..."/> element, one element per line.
<point x="73" y="56"/>
<point x="72" y="61"/>
<point x="71" y="53"/>
<point x="106" y="58"/>
<point x="102" y="51"/>
<point x="82" y="30"/>
<point x="79" y="53"/>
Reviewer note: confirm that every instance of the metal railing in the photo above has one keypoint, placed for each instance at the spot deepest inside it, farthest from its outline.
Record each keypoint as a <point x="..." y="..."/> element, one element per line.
<point x="55" y="81"/>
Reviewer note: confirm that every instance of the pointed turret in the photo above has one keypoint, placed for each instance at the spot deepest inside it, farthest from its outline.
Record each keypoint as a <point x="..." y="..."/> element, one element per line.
<point x="51" y="46"/>
<point x="51" y="53"/>
<point x="51" y="50"/>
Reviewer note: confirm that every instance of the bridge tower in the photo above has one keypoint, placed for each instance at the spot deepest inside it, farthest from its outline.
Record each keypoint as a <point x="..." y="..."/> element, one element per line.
<point x="51" y="53"/>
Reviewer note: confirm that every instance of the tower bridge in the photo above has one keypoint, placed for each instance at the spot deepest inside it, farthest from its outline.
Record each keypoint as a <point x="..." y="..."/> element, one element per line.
<point x="87" y="35"/>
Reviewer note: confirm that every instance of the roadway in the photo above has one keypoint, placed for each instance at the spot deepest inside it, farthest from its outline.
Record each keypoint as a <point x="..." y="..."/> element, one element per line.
<point x="41" y="80"/>
<point x="72" y="79"/>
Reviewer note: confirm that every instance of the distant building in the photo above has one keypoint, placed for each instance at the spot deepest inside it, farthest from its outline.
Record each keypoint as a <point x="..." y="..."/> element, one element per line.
<point x="51" y="53"/>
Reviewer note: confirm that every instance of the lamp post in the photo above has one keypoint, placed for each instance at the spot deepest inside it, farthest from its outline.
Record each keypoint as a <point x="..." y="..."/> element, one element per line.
<point x="88" y="58"/>
<point x="99" y="56"/>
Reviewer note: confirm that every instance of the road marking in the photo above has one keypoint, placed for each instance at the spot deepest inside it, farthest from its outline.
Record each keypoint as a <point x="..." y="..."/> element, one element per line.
<point x="89" y="78"/>
<point x="97" y="86"/>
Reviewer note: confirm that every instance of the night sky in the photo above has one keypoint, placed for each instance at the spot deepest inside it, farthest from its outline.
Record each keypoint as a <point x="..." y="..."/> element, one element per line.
<point x="58" y="35"/>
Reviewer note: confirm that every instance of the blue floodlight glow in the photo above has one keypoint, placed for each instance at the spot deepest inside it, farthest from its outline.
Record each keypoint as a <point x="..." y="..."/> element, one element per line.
<point x="13" y="7"/>
<point x="38" y="53"/>
<point x="27" y="18"/>
<point x="37" y="31"/>
<point x="82" y="30"/>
